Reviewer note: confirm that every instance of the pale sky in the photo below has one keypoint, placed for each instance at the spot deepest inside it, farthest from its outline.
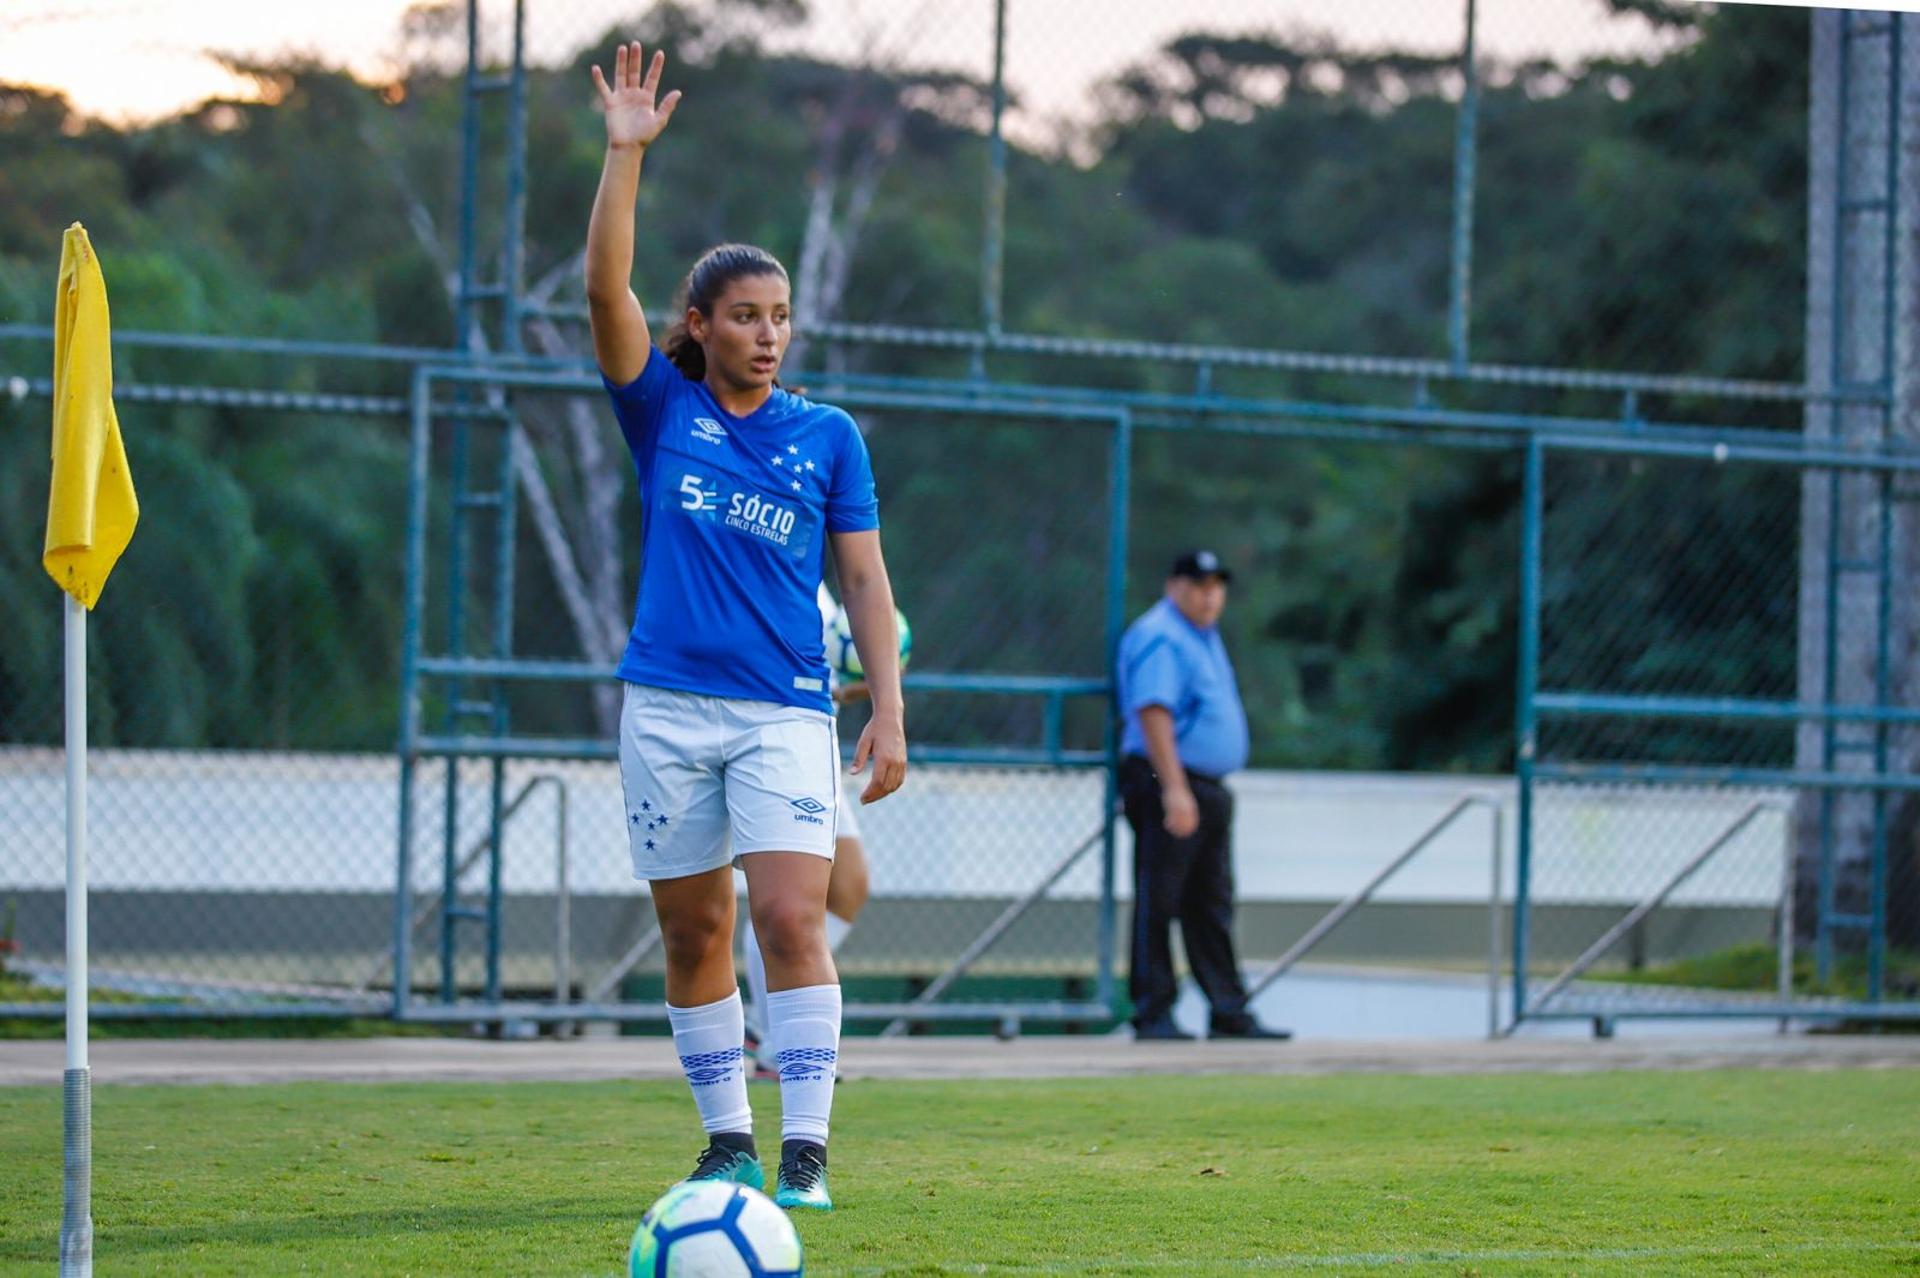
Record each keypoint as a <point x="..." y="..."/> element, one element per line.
<point x="132" y="60"/>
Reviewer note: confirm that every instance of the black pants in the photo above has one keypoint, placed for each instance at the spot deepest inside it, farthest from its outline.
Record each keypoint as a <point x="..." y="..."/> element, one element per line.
<point x="1188" y="879"/>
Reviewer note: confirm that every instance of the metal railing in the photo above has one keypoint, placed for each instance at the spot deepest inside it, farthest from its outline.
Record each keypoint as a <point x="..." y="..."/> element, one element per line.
<point x="424" y="912"/>
<point x="1654" y="900"/>
<point x="1361" y="895"/>
<point x="997" y="929"/>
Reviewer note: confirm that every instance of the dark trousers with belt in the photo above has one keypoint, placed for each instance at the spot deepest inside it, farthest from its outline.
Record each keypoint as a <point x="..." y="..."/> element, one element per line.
<point x="1188" y="879"/>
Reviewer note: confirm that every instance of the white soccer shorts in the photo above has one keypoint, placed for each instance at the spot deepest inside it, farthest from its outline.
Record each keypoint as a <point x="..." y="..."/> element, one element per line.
<point x="708" y="779"/>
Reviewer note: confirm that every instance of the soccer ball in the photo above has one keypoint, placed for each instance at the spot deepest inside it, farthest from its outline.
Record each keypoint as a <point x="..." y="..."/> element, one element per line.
<point x="714" y="1229"/>
<point x="845" y="658"/>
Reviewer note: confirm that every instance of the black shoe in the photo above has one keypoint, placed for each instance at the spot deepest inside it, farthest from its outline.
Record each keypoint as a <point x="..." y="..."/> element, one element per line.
<point x="730" y="1156"/>
<point x="1161" y="1029"/>
<point x="802" y="1181"/>
<point x="1244" y="1026"/>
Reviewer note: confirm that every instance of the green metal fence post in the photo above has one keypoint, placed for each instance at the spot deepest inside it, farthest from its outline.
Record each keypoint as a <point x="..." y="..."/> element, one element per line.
<point x="1883" y="662"/>
<point x="1830" y="665"/>
<point x="1464" y="157"/>
<point x="503" y="587"/>
<point x="415" y="587"/>
<point x="993" y="241"/>
<point x="450" y="907"/>
<point x="1118" y="516"/>
<point x="513" y="248"/>
<point x="1526" y="745"/>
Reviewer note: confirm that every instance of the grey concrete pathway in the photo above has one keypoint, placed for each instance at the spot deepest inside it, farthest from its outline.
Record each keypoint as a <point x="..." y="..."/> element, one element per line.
<point x="419" y="1060"/>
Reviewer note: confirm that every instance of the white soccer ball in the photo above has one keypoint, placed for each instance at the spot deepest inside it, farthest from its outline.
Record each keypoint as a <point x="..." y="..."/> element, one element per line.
<point x="845" y="658"/>
<point x="714" y="1229"/>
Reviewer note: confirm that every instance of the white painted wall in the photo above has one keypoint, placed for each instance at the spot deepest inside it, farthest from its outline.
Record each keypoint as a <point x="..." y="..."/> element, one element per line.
<point x="327" y="822"/>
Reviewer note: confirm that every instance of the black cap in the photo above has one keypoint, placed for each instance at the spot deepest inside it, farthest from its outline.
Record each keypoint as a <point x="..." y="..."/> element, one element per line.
<point x="1199" y="564"/>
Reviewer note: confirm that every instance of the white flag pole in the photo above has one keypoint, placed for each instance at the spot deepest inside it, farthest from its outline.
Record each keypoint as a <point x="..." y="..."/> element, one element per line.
<point x="76" y="1223"/>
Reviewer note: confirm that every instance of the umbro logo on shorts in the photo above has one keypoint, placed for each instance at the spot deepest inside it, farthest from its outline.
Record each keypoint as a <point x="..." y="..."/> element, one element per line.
<point x="708" y="429"/>
<point x="812" y="807"/>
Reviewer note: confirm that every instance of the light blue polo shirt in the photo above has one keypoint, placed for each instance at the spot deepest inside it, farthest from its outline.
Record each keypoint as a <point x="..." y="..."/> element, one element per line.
<point x="1165" y="660"/>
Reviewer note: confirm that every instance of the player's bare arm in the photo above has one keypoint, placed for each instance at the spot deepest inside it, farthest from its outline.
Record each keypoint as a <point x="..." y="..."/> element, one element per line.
<point x="635" y="117"/>
<point x="866" y="596"/>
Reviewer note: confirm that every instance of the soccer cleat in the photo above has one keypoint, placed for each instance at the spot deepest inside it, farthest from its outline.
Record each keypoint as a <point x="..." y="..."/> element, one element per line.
<point x="726" y="1161"/>
<point x="802" y="1181"/>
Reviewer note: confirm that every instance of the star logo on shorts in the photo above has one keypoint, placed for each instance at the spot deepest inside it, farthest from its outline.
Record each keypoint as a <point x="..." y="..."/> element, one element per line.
<point x="651" y="845"/>
<point x="646" y="806"/>
<point x="633" y="818"/>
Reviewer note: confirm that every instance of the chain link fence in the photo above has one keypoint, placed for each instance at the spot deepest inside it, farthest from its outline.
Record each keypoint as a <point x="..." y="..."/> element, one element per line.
<point x="1713" y="793"/>
<point x="241" y="720"/>
<point x="1007" y="709"/>
<point x="1231" y="220"/>
<point x="1676" y="581"/>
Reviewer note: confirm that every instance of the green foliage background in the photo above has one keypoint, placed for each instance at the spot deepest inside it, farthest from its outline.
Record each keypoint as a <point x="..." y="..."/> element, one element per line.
<point x="1647" y="217"/>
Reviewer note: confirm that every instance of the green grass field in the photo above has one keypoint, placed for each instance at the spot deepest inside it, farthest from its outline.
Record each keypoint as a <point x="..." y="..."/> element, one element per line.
<point x="1784" y="1173"/>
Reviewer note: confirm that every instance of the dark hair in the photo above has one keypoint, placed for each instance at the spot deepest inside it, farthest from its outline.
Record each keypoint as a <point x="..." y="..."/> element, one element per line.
<point x="716" y="268"/>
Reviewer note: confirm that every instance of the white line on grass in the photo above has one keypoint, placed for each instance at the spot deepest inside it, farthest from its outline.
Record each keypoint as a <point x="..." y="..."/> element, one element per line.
<point x="1372" y="1259"/>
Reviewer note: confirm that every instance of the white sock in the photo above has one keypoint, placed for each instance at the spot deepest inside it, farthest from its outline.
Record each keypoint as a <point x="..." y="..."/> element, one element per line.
<point x="806" y="1025"/>
<point x="708" y="1040"/>
<point x="837" y="929"/>
<point x="756" y="966"/>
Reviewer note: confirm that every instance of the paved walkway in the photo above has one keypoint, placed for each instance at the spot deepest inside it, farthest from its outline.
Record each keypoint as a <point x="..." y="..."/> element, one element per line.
<point x="421" y="1060"/>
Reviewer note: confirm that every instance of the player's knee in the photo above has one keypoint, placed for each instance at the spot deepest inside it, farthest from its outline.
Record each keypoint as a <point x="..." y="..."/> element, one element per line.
<point x="789" y="931"/>
<point x="690" y="938"/>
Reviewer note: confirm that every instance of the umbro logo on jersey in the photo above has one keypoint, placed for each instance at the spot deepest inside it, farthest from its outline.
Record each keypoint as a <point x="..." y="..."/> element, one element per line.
<point x="708" y="429"/>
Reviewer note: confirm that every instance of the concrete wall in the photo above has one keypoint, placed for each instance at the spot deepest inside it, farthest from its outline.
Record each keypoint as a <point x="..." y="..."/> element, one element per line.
<point x="280" y="867"/>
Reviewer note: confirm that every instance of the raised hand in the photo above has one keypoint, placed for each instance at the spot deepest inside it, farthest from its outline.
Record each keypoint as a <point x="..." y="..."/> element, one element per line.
<point x="634" y="117"/>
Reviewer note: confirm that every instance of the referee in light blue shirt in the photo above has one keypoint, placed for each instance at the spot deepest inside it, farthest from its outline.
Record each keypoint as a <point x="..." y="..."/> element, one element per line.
<point x="1185" y="731"/>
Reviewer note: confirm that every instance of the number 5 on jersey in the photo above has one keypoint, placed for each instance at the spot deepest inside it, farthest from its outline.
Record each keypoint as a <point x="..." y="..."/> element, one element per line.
<point x="697" y="500"/>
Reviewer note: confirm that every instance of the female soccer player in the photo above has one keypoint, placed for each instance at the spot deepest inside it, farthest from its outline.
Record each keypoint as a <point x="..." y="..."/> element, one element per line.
<point x="727" y="729"/>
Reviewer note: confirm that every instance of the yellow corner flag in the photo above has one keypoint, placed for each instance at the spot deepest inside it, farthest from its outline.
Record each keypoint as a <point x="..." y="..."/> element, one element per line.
<point x="91" y="510"/>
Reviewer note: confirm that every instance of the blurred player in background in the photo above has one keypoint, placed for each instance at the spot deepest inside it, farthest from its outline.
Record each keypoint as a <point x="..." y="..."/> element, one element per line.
<point x="846" y="888"/>
<point x="728" y="747"/>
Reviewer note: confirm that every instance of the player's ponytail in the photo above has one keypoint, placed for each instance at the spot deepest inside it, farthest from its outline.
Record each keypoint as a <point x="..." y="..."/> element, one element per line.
<point x="716" y="268"/>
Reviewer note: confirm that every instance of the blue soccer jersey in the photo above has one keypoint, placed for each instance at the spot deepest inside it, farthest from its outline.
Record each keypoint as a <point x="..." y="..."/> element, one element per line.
<point x="736" y="512"/>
